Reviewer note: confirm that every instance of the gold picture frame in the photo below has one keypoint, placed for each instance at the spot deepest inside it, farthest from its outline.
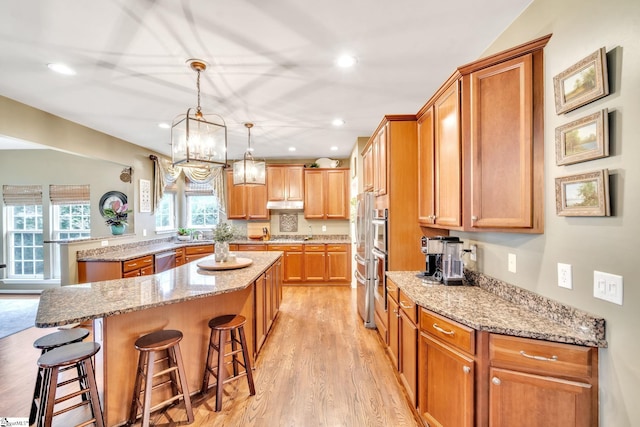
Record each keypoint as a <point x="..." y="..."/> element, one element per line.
<point x="584" y="139"/>
<point x="582" y="83"/>
<point x="585" y="194"/>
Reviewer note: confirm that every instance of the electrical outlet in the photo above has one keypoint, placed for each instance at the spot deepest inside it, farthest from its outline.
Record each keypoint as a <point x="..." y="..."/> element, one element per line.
<point x="512" y="263"/>
<point x="565" y="279"/>
<point x="104" y="243"/>
<point x="474" y="252"/>
<point x="608" y="287"/>
<point x="324" y="228"/>
<point x="144" y="232"/>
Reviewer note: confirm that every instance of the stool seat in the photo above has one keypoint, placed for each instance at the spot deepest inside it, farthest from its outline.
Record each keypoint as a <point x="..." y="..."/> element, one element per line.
<point x="168" y="342"/>
<point x="57" y="360"/>
<point x="225" y="327"/>
<point x="159" y="340"/>
<point x="56" y="339"/>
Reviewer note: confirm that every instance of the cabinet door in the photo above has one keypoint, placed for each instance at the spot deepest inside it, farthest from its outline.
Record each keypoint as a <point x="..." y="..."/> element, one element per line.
<point x="501" y="145"/>
<point x="426" y="171"/>
<point x="380" y="172"/>
<point x="293" y="262"/>
<point x="367" y="168"/>
<point x="338" y="266"/>
<point x="408" y="356"/>
<point x="336" y="194"/>
<point x="256" y="202"/>
<point x="314" y="194"/>
<point x="276" y="183"/>
<point x="294" y="189"/>
<point x="393" y="331"/>
<point x="314" y="266"/>
<point x="446" y="393"/>
<point x="527" y="400"/>
<point x="236" y="208"/>
<point x="261" y="310"/>
<point x="448" y="157"/>
<point x="269" y="298"/>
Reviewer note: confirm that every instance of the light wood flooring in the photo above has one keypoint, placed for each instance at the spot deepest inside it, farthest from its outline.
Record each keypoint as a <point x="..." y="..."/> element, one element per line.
<point x="319" y="367"/>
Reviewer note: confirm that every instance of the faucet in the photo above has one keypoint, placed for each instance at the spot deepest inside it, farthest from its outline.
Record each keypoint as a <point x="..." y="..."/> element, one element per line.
<point x="197" y="235"/>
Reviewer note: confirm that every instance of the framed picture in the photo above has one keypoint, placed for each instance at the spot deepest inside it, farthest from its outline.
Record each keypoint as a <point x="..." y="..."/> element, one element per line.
<point x="582" y="83"/>
<point x="583" y="139"/>
<point x="585" y="194"/>
<point x="145" y="195"/>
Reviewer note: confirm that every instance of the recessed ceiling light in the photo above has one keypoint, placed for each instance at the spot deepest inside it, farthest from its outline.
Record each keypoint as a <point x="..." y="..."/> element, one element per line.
<point x="292" y="148"/>
<point x="164" y="125"/>
<point x="334" y="148"/>
<point x="338" y="122"/>
<point x="62" y="69"/>
<point x="346" y="61"/>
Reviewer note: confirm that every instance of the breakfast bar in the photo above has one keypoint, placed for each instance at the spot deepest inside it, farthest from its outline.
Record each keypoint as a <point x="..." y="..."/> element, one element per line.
<point x="183" y="298"/>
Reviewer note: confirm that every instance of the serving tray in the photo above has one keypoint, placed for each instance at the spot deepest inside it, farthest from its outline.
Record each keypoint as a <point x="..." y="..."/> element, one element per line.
<point x="211" y="264"/>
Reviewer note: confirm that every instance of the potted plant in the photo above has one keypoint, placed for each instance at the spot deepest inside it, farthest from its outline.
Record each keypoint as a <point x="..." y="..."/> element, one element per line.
<point x="222" y="235"/>
<point x="116" y="217"/>
<point x="184" y="233"/>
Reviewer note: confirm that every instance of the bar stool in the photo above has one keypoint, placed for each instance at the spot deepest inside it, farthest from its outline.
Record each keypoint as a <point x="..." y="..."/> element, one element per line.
<point x="149" y="345"/>
<point x="223" y="324"/>
<point x="47" y="343"/>
<point x="53" y="362"/>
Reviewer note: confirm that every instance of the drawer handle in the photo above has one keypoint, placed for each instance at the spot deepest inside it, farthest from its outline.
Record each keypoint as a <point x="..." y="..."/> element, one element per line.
<point x="542" y="358"/>
<point x="496" y="380"/>
<point x="439" y="329"/>
<point x="133" y="264"/>
<point x="389" y="289"/>
<point x="405" y="306"/>
<point x="466" y="369"/>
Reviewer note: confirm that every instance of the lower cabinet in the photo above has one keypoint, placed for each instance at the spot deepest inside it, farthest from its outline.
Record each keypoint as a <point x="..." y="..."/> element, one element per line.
<point x="90" y="271"/>
<point x="292" y="261"/>
<point x="179" y="257"/>
<point x="192" y="253"/>
<point x="315" y="264"/>
<point x="338" y="263"/>
<point x="268" y="294"/>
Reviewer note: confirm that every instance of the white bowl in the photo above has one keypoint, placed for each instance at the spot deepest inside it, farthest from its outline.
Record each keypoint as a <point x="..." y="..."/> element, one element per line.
<point x="183" y="238"/>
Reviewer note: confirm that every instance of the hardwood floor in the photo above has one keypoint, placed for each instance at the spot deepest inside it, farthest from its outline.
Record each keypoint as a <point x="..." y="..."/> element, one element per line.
<point x="319" y="367"/>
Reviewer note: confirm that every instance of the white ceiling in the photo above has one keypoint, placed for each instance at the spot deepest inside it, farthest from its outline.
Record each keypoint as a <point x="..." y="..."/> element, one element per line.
<point x="271" y="62"/>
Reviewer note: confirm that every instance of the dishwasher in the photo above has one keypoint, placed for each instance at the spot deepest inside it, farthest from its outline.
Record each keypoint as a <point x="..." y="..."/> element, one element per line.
<point x="165" y="261"/>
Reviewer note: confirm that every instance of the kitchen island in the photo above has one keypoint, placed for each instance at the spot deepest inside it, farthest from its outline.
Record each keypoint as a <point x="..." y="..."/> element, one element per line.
<point x="183" y="298"/>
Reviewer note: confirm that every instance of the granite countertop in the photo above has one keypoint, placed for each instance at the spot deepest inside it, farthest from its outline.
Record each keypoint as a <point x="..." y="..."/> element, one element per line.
<point x="78" y="303"/>
<point x="482" y="310"/>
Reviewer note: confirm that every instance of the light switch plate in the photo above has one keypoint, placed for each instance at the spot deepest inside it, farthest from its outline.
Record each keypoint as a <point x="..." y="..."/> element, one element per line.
<point x="565" y="279"/>
<point x="608" y="287"/>
<point x="512" y="263"/>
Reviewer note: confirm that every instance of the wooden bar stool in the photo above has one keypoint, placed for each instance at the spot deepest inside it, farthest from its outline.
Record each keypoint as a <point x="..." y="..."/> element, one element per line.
<point x="149" y="345"/>
<point x="221" y="325"/>
<point x="45" y="344"/>
<point x="53" y="362"/>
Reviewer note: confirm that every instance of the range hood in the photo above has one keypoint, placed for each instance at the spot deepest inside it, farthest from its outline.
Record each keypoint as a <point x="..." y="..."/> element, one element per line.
<point x="285" y="205"/>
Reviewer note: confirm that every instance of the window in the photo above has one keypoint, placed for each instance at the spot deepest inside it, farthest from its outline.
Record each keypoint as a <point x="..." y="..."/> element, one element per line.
<point x="72" y="221"/>
<point x="165" y="212"/>
<point x="203" y="211"/>
<point x="26" y="251"/>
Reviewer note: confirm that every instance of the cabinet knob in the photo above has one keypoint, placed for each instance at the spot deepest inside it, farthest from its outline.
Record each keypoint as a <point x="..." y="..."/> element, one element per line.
<point x="496" y="380"/>
<point x="474" y="218"/>
<point x="466" y="369"/>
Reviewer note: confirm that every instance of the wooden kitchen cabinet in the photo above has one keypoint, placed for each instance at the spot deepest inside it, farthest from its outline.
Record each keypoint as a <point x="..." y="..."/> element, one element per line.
<point x="285" y="183"/>
<point x="338" y="262"/>
<point x="179" y="257"/>
<point x="393" y="325"/>
<point x="556" y="382"/>
<point x="267" y="297"/>
<point x="192" y="253"/>
<point x="440" y="150"/>
<point x="89" y="271"/>
<point x="379" y="147"/>
<point x="446" y="370"/>
<point x="314" y="263"/>
<point x="251" y="247"/>
<point x="292" y="261"/>
<point x="504" y="141"/>
<point x="326" y="193"/>
<point x="246" y="201"/>
<point x="367" y="168"/>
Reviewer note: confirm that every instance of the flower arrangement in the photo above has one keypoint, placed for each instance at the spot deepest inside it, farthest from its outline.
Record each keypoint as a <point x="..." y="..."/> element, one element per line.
<point x="117" y="213"/>
<point x="224" y="232"/>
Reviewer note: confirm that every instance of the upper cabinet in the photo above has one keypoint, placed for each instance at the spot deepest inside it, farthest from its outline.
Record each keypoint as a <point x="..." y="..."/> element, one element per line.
<point x="374" y="162"/>
<point x="246" y="201"/>
<point x="326" y="193"/>
<point x="285" y="183"/>
<point x="504" y="142"/>
<point x="481" y="146"/>
<point x="440" y="159"/>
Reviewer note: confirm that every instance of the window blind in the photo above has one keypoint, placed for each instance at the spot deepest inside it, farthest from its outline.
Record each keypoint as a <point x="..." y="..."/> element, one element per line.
<point x="16" y="195"/>
<point x="68" y="194"/>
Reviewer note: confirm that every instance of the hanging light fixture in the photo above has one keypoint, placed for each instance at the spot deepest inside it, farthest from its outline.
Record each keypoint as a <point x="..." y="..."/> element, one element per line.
<point x="197" y="140"/>
<point x="249" y="171"/>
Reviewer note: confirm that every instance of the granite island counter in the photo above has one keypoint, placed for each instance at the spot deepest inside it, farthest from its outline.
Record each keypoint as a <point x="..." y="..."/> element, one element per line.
<point x="183" y="298"/>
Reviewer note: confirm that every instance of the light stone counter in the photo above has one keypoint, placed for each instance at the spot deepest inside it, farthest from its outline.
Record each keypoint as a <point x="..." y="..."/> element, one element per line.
<point x="497" y="307"/>
<point x="78" y="303"/>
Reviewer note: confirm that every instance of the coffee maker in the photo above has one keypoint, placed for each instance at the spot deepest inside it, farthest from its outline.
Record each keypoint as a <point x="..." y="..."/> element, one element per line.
<point x="443" y="259"/>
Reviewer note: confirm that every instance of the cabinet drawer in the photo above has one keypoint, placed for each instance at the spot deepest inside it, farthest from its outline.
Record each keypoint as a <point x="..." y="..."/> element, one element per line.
<point x="179" y="252"/>
<point x="541" y="357"/>
<point x="409" y="307"/>
<point x="195" y="250"/>
<point x="250" y="247"/>
<point x="392" y="290"/>
<point x="337" y="248"/>
<point x="314" y="248"/>
<point x="137" y="263"/>
<point x="448" y="331"/>
<point x="285" y="248"/>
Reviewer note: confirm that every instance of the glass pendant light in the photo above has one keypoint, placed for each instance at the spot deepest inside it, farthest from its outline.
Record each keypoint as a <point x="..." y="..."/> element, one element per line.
<point x="249" y="171"/>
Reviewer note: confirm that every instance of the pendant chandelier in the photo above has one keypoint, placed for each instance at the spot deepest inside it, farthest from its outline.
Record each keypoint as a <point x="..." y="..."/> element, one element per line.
<point x="196" y="140"/>
<point x="249" y="171"/>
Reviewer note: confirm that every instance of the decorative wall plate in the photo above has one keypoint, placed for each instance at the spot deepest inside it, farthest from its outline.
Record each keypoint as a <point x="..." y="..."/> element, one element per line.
<point x="109" y="197"/>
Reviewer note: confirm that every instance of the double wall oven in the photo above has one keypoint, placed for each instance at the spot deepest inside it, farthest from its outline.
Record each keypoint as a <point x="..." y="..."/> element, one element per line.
<point x="380" y="254"/>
